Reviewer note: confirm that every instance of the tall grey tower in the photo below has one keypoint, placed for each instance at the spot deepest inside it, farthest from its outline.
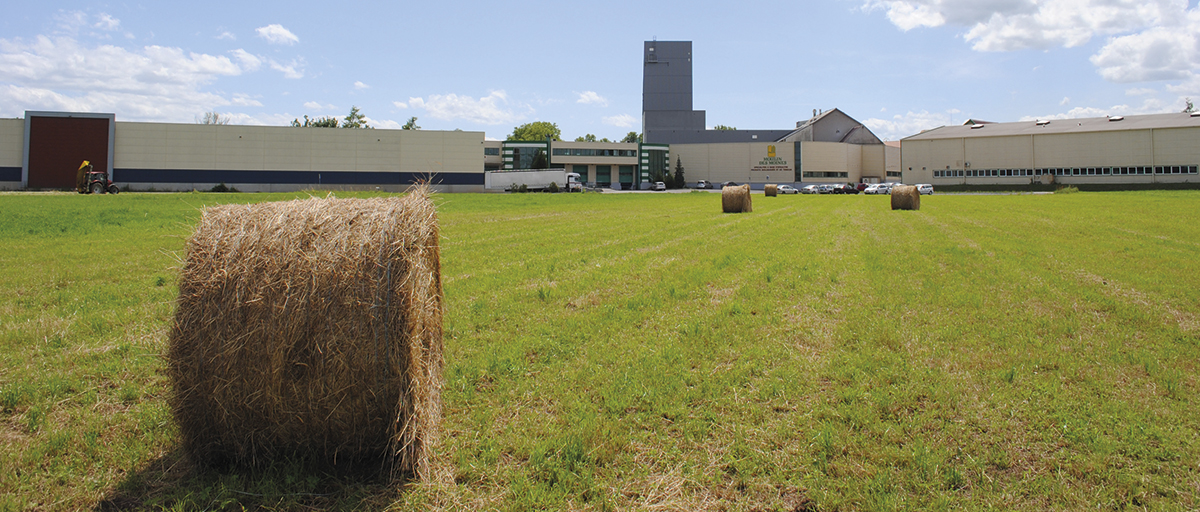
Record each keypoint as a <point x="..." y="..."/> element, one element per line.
<point x="667" y="91"/>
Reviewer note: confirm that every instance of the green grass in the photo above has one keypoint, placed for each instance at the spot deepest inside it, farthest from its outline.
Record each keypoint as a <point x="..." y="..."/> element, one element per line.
<point x="640" y="351"/>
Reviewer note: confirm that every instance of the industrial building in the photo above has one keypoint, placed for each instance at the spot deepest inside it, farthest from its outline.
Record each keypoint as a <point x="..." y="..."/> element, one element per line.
<point x="44" y="150"/>
<point x="830" y="147"/>
<point x="1119" y="150"/>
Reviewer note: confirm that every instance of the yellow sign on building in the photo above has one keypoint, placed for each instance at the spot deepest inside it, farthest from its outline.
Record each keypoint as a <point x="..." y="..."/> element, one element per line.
<point x="771" y="151"/>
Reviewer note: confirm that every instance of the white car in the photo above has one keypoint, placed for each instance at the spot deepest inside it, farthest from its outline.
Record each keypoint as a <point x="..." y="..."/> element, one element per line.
<point x="658" y="185"/>
<point x="787" y="189"/>
<point x="810" y="189"/>
<point x="925" y="189"/>
<point x="884" y="188"/>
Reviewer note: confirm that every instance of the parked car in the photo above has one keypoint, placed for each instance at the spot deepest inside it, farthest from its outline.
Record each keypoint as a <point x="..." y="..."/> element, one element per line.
<point x="825" y="189"/>
<point x="658" y="185"/>
<point x="809" y="189"/>
<point x="925" y="189"/>
<point x="861" y="187"/>
<point x="703" y="184"/>
<point x="787" y="189"/>
<point x="880" y="188"/>
<point x="844" y="189"/>
<point x="728" y="184"/>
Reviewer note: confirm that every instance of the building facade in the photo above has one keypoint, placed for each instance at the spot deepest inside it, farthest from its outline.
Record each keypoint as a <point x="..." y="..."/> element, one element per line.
<point x="44" y="150"/>
<point x="1118" y="150"/>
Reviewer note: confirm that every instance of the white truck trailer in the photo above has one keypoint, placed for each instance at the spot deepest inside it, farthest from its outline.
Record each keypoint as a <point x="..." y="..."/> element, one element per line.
<point x="533" y="179"/>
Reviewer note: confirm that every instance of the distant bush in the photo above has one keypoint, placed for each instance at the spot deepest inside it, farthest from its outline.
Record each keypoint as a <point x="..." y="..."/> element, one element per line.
<point x="553" y="188"/>
<point x="220" y="187"/>
<point x="1069" y="189"/>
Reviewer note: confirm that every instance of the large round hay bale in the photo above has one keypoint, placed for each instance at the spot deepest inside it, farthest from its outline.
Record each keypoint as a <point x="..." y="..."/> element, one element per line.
<point x="906" y="197"/>
<point x="771" y="190"/>
<point x="735" y="199"/>
<point x="311" y="330"/>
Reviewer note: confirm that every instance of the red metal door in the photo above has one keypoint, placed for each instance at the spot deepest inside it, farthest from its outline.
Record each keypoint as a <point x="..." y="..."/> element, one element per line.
<point x="57" y="145"/>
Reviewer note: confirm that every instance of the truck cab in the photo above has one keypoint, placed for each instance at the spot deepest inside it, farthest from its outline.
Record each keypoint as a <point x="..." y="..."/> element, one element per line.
<point x="573" y="183"/>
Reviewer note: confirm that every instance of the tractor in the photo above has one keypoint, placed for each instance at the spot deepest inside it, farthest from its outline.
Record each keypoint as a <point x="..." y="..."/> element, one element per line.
<point x="90" y="181"/>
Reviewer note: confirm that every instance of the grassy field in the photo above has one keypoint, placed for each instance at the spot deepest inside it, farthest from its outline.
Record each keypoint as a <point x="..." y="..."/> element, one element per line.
<point x="641" y="351"/>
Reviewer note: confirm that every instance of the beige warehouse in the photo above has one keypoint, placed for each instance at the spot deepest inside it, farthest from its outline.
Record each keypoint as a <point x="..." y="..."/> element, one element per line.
<point x="1146" y="149"/>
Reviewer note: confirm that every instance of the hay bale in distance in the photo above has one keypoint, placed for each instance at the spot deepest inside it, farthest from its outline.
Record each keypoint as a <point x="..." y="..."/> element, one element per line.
<point x="771" y="190"/>
<point x="906" y="197"/>
<point x="311" y="329"/>
<point x="735" y="199"/>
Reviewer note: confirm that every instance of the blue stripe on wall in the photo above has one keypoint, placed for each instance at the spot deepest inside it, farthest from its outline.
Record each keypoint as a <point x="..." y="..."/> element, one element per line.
<point x="14" y="174"/>
<point x="288" y="177"/>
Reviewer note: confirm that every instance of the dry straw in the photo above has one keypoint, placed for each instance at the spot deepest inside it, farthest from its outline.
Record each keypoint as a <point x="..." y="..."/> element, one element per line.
<point x="906" y="197"/>
<point x="770" y="190"/>
<point x="735" y="199"/>
<point x="311" y="329"/>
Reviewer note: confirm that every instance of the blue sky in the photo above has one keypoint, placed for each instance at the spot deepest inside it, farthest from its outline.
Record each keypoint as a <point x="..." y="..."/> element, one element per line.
<point x="897" y="66"/>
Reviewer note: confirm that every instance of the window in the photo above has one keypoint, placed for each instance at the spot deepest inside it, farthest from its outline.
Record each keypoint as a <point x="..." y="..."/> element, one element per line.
<point x="491" y="151"/>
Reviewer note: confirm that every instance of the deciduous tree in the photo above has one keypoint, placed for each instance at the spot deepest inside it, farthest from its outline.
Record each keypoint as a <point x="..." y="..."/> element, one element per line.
<point x="536" y="131"/>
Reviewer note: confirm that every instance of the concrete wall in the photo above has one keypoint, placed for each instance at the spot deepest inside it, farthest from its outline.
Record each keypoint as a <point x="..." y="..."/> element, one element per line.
<point x="12" y="151"/>
<point x="165" y="156"/>
<point x="1026" y="153"/>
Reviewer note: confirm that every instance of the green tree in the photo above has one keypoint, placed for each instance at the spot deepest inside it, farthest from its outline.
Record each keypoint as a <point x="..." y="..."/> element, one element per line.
<point x="586" y="138"/>
<point x="539" y="160"/>
<point x="536" y="131"/>
<point x="632" y="137"/>
<point x="355" y="119"/>
<point x="679" y="179"/>
<point x="411" y="124"/>
<point x="319" y="122"/>
<point x="724" y="128"/>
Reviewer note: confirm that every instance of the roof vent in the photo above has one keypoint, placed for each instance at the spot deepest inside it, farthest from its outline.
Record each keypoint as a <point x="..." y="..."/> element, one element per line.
<point x="1043" y="123"/>
<point x="1196" y="113"/>
<point x="977" y="126"/>
<point x="1116" y="118"/>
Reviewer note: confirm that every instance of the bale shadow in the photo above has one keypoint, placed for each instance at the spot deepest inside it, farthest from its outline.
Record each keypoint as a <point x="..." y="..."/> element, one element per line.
<point x="173" y="481"/>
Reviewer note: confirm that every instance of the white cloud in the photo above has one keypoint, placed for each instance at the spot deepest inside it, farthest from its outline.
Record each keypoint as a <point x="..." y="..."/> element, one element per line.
<point x="400" y="104"/>
<point x="227" y="35"/>
<point x="489" y="109"/>
<point x="622" y="120"/>
<point x="1140" y="91"/>
<point x="276" y="34"/>
<point x="1006" y="25"/>
<point x="1065" y="101"/>
<point x="244" y="100"/>
<point x="289" y="70"/>
<point x="386" y="124"/>
<point x="360" y="85"/>
<point x="107" y="22"/>
<point x="911" y="123"/>
<point x="1148" y="106"/>
<point x="155" y="83"/>
<point x="248" y="61"/>
<point x="1160" y="53"/>
<point x="313" y="105"/>
<point x="591" y="98"/>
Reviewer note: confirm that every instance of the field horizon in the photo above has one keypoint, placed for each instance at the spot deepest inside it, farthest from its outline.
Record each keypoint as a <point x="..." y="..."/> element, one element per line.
<point x="647" y="352"/>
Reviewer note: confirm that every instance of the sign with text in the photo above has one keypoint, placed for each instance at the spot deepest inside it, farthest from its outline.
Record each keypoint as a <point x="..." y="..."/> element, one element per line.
<point x="771" y="163"/>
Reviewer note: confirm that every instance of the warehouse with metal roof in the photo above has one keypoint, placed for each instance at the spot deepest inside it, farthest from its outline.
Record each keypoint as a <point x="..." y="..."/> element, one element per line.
<point x="1117" y="150"/>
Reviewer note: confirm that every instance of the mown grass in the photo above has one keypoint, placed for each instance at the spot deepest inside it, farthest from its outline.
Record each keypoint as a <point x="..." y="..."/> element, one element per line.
<point x="648" y="352"/>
